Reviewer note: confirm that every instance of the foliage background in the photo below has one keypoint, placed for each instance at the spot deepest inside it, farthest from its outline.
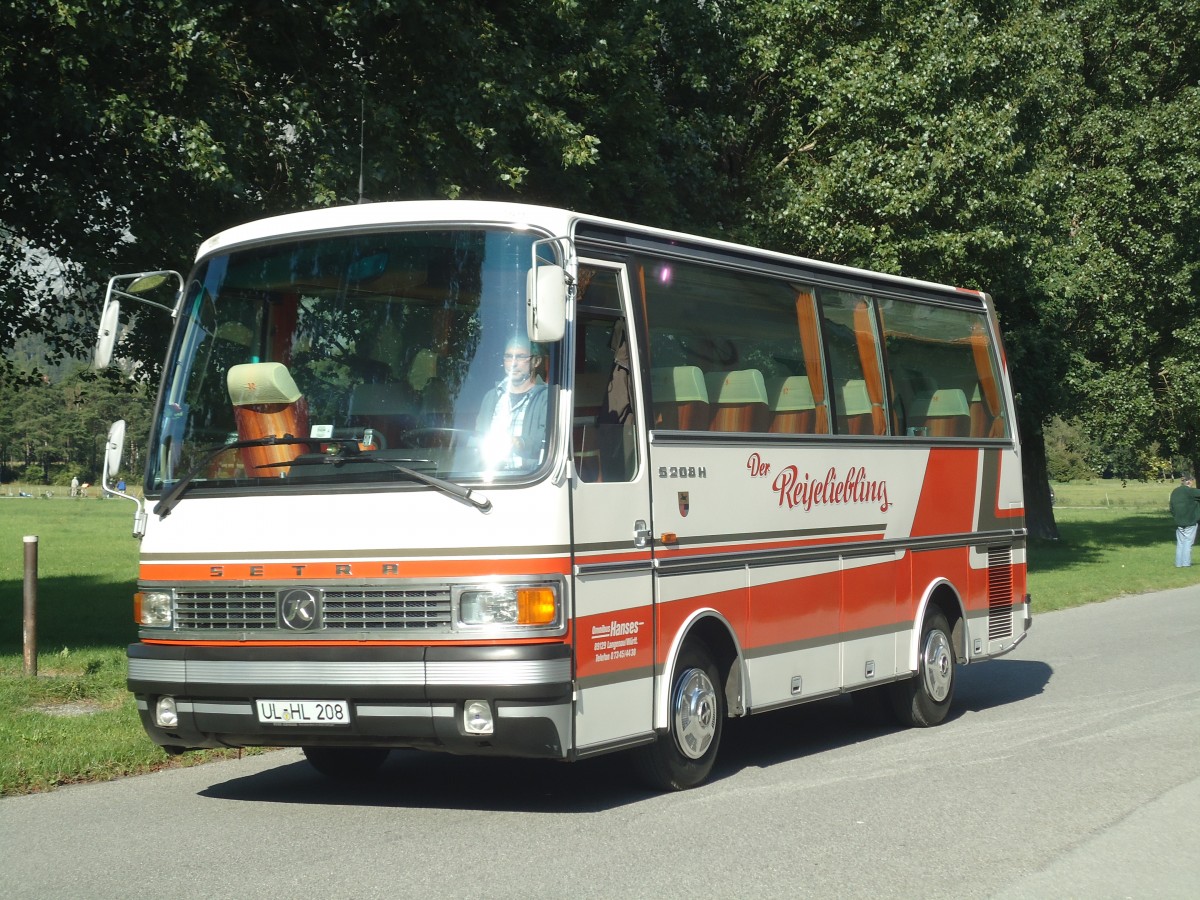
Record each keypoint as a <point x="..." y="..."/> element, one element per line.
<point x="1046" y="151"/>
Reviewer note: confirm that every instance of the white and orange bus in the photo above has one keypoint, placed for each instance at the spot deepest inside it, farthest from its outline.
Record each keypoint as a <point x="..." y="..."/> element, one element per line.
<point x="754" y="480"/>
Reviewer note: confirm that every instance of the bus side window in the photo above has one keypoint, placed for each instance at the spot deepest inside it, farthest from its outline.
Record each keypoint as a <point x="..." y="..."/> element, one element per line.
<point x="722" y="345"/>
<point x="854" y="363"/>
<point x="603" y="435"/>
<point x="942" y="372"/>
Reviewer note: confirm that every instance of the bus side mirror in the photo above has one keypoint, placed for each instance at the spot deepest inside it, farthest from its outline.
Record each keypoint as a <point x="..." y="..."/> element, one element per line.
<point x="546" y="303"/>
<point x="112" y="463"/>
<point x="133" y="287"/>
<point x="112" y="449"/>
<point x="107" y="337"/>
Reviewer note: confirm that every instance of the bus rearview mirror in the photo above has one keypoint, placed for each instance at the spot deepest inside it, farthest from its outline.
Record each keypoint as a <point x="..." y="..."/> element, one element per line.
<point x="112" y="449"/>
<point x="107" y="335"/>
<point x="546" y="304"/>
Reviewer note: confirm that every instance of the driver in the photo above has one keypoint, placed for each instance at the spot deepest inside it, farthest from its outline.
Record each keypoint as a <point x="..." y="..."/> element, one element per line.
<point x="512" y="417"/>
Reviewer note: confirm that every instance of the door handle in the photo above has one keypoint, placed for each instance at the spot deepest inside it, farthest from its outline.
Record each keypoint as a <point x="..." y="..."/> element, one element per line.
<point x="641" y="534"/>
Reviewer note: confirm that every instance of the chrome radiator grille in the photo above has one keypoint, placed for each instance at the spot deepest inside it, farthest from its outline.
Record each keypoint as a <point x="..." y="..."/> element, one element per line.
<point x="343" y="610"/>
<point x="388" y="609"/>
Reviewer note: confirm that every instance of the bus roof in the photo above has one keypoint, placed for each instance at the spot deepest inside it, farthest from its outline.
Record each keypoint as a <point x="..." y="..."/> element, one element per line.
<point x="498" y="213"/>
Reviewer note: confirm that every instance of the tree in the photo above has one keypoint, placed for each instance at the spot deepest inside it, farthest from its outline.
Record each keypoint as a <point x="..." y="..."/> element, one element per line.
<point x="56" y="427"/>
<point x="1068" y="450"/>
<point x="1120" y="274"/>
<point x="924" y="145"/>
<point x="219" y="112"/>
<point x="1043" y="150"/>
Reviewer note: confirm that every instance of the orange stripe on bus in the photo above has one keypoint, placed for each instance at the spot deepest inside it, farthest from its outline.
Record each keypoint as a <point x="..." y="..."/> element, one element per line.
<point x="947" y="503"/>
<point x="409" y="642"/>
<point x="222" y="571"/>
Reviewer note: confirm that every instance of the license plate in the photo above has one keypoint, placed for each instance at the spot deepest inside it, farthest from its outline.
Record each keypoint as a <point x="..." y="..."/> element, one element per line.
<point x="303" y="712"/>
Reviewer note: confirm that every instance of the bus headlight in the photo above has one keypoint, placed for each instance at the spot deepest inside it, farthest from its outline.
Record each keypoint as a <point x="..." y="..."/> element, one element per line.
<point x="477" y="717"/>
<point x="153" y="608"/>
<point x="505" y="605"/>
<point x="166" y="715"/>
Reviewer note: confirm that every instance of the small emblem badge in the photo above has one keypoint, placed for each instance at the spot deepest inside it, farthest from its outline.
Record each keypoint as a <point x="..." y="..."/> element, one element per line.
<point x="299" y="609"/>
<point x="684" y="503"/>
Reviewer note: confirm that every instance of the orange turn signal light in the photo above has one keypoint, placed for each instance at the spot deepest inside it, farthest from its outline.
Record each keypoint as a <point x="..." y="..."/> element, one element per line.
<point x="537" y="606"/>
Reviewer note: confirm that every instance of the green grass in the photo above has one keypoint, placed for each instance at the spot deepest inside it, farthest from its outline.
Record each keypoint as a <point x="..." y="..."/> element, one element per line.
<point x="1111" y="494"/>
<point x="1114" y="539"/>
<point x="1104" y="553"/>
<point x="76" y="721"/>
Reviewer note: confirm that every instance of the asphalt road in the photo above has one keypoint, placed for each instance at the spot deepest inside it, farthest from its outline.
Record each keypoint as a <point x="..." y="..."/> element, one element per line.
<point x="1068" y="769"/>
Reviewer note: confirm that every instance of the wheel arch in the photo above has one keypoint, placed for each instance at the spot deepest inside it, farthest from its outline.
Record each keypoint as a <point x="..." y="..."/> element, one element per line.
<point x="716" y="633"/>
<point x="941" y="595"/>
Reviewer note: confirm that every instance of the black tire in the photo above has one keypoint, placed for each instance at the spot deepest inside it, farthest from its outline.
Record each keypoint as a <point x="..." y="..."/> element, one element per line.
<point x="346" y="763"/>
<point x="684" y="756"/>
<point x="924" y="700"/>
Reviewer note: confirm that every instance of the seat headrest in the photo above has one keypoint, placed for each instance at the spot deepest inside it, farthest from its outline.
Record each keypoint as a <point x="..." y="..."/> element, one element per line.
<point x="423" y="369"/>
<point x="856" y="401"/>
<point x="737" y="387"/>
<point x="791" y="394"/>
<point x="944" y="402"/>
<point x="678" y="384"/>
<point x="255" y="383"/>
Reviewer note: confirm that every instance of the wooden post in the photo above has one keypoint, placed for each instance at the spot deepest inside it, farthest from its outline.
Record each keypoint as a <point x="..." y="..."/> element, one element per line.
<point x="30" y="623"/>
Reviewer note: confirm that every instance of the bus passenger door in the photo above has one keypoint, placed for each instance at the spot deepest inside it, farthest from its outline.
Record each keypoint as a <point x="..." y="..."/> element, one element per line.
<point x="611" y="527"/>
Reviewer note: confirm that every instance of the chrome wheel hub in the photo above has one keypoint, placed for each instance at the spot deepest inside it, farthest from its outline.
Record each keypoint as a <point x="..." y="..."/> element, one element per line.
<point x="695" y="713"/>
<point x="937" y="666"/>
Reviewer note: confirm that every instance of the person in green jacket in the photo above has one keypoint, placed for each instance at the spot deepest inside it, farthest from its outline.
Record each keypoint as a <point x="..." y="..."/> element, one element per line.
<point x="1185" y="509"/>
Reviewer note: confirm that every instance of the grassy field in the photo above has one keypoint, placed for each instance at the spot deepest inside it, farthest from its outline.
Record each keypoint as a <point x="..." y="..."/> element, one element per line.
<point x="1114" y="540"/>
<point x="76" y="722"/>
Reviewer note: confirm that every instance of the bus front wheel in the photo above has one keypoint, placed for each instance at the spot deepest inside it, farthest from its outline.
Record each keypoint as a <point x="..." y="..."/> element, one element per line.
<point x="684" y="756"/>
<point x="924" y="699"/>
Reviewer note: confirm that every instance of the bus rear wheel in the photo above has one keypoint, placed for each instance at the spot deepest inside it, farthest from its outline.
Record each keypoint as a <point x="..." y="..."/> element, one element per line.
<point x="924" y="700"/>
<point x="346" y="763"/>
<point x="684" y="756"/>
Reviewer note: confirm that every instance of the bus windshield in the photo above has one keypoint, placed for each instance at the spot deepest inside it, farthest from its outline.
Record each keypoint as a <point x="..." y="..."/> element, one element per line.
<point x="357" y="358"/>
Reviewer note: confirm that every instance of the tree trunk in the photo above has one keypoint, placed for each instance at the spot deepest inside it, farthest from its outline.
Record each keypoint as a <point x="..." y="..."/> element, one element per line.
<point x="1039" y="511"/>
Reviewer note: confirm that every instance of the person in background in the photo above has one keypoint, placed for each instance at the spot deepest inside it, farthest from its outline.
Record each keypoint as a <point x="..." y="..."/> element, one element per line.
<point x="512" y="417"/>
<point x="1185" y="509"/>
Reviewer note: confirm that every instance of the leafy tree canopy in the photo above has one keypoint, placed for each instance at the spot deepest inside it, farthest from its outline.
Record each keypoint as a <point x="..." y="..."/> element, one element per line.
<point x="1046" y="151"/>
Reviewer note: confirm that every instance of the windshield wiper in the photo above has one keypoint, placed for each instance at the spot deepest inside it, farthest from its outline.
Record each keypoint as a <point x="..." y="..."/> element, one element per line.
<point x="350" y="453"/>
<point x="163" y="508"/>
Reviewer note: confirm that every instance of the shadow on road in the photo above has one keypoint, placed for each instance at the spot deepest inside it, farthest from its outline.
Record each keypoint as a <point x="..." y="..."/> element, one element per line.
<point x="415" y="779"/>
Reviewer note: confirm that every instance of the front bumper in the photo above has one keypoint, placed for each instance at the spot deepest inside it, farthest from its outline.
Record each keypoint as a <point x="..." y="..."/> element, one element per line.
<point x="399" y="696"/>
